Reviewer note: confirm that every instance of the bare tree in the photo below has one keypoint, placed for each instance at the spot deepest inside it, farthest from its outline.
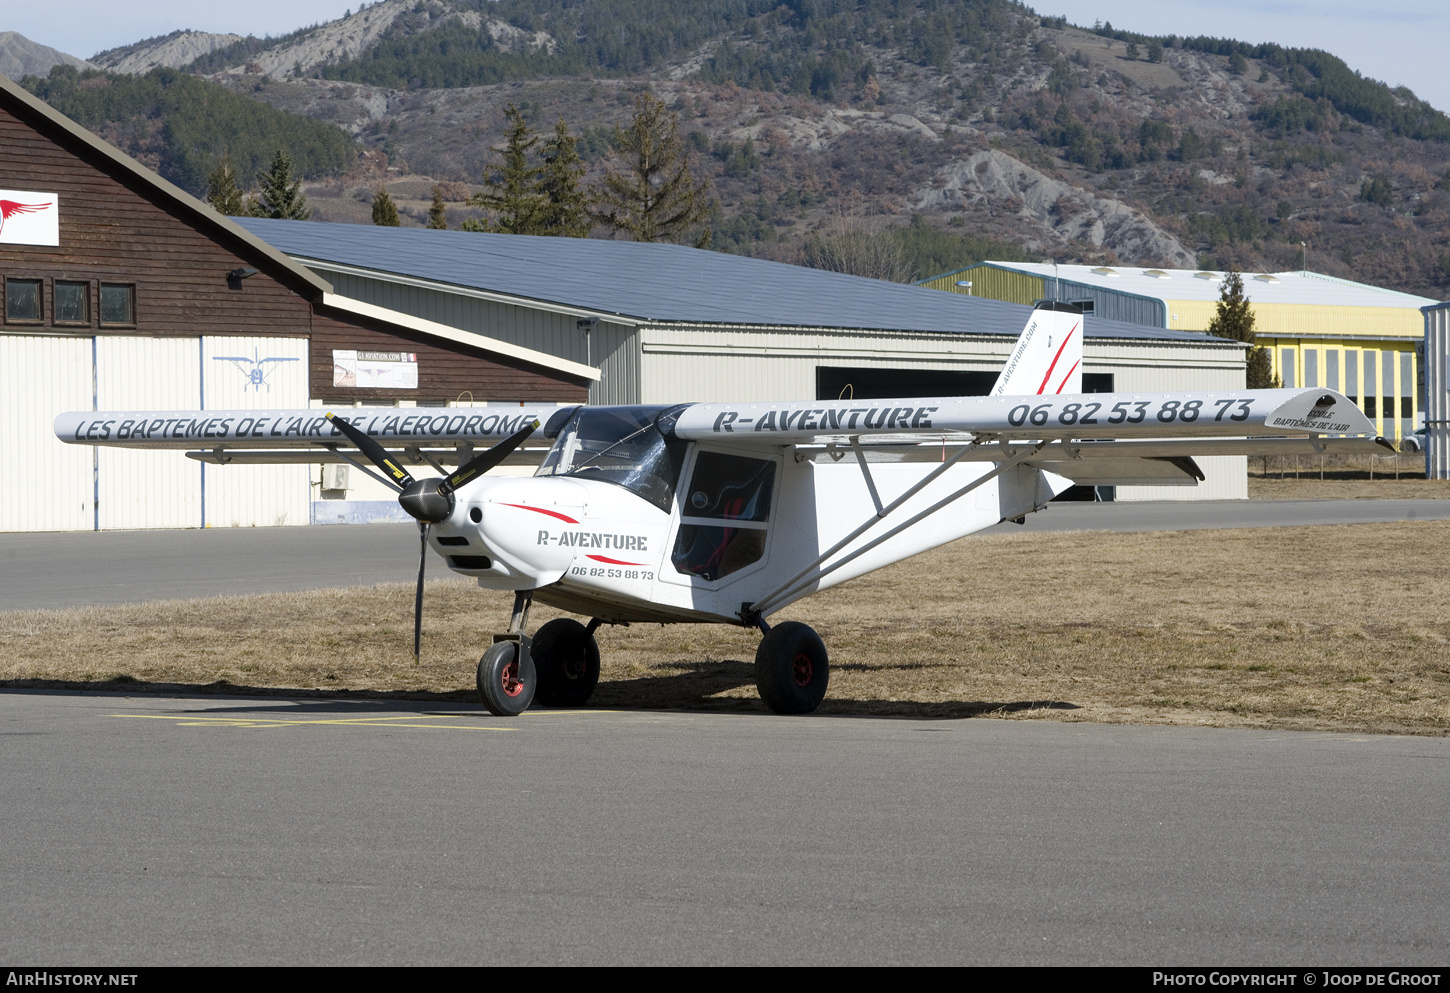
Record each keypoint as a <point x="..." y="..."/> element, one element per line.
<point x="859" y="247"/>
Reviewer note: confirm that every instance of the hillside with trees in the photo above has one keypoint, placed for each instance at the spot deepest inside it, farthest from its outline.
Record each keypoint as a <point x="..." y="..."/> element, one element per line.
<point x="949" y="130"/>
<point x="184" y="127"/>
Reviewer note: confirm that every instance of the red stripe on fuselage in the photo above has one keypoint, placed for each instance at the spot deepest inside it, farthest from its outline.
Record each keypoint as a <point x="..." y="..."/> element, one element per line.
<point x="606" y="558"/>
<point x="1055" y="358"/>
<point x="541" y="510"/>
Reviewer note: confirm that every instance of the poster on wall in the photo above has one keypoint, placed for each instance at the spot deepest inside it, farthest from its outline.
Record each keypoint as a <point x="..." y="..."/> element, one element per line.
<point x="29" y="218"/>
<point x="375" y="370"/>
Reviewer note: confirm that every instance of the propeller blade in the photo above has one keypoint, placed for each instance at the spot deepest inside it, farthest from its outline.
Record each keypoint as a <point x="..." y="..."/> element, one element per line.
<point x="375" y="452"/>
<point x="418" y="596"/>
<point x="480" y="464"/>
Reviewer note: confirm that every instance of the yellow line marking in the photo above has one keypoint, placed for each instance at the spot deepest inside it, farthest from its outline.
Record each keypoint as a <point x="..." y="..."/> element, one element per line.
<point x="565" y="713"/>
<point x="274" y="722"/>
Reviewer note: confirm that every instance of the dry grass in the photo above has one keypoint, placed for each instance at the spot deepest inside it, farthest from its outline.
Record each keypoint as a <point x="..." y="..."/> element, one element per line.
<point x="1340" y="627"/>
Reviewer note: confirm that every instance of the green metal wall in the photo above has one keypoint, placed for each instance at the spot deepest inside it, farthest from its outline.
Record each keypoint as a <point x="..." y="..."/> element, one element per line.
<point x="991" y="282"/>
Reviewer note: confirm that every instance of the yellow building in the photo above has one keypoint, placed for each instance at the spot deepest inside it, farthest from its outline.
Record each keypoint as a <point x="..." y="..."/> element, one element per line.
<point x="1361" y="340"/>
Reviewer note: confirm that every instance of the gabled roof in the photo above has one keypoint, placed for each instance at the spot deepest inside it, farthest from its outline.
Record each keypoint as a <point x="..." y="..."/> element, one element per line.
<point x="66" y="132"/>
<point x="1296" y="287"/>
<point x="658" y="282"/>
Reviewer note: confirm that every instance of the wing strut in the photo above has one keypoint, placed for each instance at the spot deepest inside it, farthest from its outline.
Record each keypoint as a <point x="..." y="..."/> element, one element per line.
<point x="777" y="597"/>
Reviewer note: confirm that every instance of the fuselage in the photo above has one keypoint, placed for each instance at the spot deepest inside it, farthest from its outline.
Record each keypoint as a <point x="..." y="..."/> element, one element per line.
<point x="626" y="523"/>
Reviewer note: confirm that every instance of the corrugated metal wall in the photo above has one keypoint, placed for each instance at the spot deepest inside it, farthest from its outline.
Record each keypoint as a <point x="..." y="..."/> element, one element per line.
<point x="41" y="376"/>
<point x="1110" y="305"/>
<point x="991" y="282"/>
<point x="1437" y="392"/>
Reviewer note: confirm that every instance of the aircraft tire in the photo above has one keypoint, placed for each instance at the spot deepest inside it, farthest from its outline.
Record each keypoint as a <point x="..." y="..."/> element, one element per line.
<point x="566" y="659"/>
<point x="791" y="669"/>
<point x="504" y="690"/>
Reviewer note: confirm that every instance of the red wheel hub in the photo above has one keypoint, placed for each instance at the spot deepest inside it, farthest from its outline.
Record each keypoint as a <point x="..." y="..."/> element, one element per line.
<point x="801" y="669"/>
<point x="512" y="685"/>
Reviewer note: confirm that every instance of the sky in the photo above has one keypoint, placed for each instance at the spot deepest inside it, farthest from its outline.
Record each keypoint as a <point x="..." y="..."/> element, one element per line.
<point x="1400" y="42"/>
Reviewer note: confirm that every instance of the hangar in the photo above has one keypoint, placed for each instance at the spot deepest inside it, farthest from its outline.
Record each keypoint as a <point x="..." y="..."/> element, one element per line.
<point x="122" y="291"/>
<point x="1321" y="331"/>
<point x="666" y="323"/>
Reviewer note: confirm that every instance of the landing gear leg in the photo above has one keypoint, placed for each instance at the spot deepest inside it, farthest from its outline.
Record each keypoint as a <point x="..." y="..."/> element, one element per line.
<point x="791" y="669"/>
<point x="506" y="676"/>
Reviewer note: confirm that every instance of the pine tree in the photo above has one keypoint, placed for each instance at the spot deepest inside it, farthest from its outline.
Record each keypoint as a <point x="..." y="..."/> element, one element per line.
<point x="511" y="190"/>
<point x="566" y="206"/>
<point x="651" y="195"/>
<point x="222" y="191"/>
<point x="438" y="213"/>
<point x="281" y="195"/>
<point x="385" y="212"/>
<point x="1234" y="319"/>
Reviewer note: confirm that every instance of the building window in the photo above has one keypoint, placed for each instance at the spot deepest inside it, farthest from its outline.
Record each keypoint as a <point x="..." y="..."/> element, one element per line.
<point x="22" y="301"/>
<point x="72" y="302"/>
<point x="118" y="303"/>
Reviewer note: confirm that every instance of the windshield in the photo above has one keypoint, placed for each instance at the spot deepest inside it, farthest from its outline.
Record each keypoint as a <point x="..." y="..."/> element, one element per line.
<point x="633" y="447"/>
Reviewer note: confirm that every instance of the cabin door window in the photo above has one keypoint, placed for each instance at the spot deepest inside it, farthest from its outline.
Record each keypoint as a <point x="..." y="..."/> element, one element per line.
<point x="724" y="515"/>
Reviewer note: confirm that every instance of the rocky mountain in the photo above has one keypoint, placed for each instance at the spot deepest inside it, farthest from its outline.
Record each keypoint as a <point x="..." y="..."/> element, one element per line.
<point x="173" y="51"/>
<point x="978" y="119"/>
<point x="19" y="56"/>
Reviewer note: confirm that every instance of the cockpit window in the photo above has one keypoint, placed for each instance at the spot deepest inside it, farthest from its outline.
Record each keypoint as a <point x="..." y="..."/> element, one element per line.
<point x="633" y="447"/>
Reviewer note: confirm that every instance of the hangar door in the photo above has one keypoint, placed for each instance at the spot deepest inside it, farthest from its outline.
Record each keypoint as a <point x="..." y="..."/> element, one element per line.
<point x="104" y="488"/>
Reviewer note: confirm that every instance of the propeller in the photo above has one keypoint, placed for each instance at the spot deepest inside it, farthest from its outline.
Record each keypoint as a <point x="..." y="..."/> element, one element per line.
<point x="429" y="501"/>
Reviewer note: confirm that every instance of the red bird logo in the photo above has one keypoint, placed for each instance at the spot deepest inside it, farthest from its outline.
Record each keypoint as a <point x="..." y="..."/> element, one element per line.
<point x="9" y="207"/>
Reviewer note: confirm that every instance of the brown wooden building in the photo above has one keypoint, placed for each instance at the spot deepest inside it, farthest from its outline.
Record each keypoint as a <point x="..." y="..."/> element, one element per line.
<point x="120" y="291"/>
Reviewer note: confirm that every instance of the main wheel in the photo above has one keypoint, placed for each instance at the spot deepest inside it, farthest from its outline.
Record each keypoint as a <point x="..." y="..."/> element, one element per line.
<point x="506" y="691"/>
<point x="566" y="658"/>
<point x="791" y="669"/>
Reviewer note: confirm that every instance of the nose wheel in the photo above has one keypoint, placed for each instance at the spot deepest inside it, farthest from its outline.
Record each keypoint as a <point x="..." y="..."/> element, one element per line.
<point x="791" y="669"/>
<point x="507" y="679"/>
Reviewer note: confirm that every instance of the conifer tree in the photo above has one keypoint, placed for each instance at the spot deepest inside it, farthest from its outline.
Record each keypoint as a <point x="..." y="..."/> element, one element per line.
<point x="438" y="213"/>
<point x="281" y="195"/>
<point x="566" y="206"/>
<point x="222" y="191"/>
<point x="649" y="192"/>
<point x="1235" y="319"/>
<point x="385" y="212"/>
<point x="511" y="191"/>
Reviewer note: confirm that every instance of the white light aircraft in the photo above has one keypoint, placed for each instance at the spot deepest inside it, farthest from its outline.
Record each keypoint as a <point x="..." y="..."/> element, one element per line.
<point x="729" y="512"/>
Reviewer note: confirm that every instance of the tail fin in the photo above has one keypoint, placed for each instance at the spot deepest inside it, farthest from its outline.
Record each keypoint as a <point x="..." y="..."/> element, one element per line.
<point x="1048" y="356"/>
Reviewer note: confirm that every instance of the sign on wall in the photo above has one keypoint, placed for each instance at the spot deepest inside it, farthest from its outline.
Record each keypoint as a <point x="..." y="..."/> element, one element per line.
<point x="29" y="218"/>
<point x="375" y="370"/>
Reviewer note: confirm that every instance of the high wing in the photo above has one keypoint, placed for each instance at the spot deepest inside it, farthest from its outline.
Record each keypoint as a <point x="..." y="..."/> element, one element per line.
<point x="1096" y="438"/>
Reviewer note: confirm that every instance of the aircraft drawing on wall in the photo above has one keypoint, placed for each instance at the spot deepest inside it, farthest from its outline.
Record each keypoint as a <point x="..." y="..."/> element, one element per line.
<point x="729" y="512"/>
<point x="254" y="368"/>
